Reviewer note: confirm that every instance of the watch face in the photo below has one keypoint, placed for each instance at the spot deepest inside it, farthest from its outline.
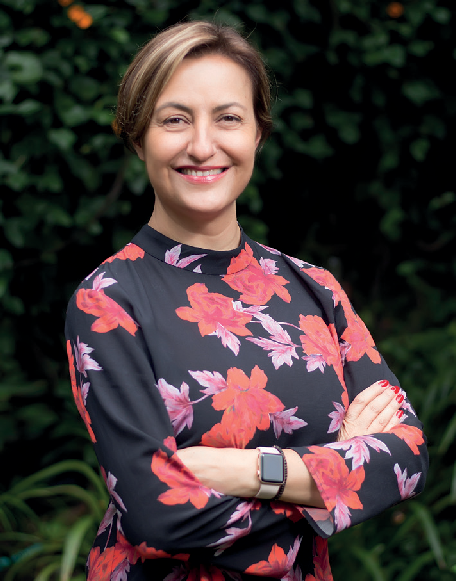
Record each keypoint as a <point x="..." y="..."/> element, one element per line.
<point x="271" y="466"/>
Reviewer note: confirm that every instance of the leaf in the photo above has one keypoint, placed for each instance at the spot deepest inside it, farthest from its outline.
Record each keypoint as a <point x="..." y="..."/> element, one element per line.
<point x="430" y="531"/>
<point x="24" y="67"/>
<point x="72" y="545"/>
<point x="419" y="148"/>
<point x="64" y="138"/>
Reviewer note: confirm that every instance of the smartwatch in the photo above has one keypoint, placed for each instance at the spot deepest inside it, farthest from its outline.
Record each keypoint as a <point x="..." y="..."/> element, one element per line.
<point x="271" y="472"/>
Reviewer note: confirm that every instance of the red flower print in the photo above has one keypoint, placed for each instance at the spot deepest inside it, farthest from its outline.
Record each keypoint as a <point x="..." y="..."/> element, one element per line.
<point x="101" y="567"/>
<point x="79" y="396"/>
<point x="325" y="278"/>
<point x="321" y="341"/>
<point x="257" y="282"/>
<point x="359" y="338"/>
<point x="289" y="510"/>
<point x="336" y="483"/>
<point x="129" y="252"/>
<point x="278" y="564"/>
<point x="246" y="406"/>
<point x="213" y="310"/>
<point x="412" y="436"/>
<point x="206" y="573"/>
<point x="109" y="314"/>
<point x="170" y="443"/>
<point x="322" y="568"/>
<point x="151" y="553"/>
<point x="184" y="486"/>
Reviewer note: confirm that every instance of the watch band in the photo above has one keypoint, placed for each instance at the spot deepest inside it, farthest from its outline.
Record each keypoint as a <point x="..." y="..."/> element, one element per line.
<point x="267" y="490"/>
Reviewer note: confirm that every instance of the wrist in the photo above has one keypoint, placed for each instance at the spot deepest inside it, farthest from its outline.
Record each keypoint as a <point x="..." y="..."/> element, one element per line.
<point x="272" y="472"/>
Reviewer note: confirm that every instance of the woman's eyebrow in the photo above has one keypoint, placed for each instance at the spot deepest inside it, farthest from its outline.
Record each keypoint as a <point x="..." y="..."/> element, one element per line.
<point x="189" y="110"/>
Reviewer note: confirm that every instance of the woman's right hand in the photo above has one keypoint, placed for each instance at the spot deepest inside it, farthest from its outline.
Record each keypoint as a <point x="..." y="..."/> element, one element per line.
<point x="375" y="409"/>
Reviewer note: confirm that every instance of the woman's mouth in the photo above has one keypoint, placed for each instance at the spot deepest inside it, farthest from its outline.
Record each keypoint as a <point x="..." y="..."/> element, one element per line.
<point x="201" y="173"/>
<point x="202" y="176"/>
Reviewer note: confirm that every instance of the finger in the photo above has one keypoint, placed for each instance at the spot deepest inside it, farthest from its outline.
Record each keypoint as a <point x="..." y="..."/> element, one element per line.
<point x="395" y="420"/>
<point x="365" y="398"/>
<point x="386" y="415"/>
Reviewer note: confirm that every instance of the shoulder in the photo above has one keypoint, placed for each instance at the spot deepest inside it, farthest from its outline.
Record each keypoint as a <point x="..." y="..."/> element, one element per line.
<point x="321" y="281"/>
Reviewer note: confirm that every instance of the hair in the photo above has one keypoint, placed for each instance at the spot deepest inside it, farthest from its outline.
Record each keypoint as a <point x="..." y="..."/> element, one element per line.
<point x="156" y="62"/>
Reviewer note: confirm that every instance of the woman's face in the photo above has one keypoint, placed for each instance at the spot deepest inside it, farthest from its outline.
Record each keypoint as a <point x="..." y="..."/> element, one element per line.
<point x="200" y="146"/>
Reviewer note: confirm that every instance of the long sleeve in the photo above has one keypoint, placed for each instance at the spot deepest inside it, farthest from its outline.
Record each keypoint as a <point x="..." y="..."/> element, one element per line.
<point x="363" y="476"/>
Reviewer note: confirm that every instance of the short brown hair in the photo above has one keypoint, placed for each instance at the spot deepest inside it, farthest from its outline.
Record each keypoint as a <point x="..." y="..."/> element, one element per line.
<point x="156" y="62"/>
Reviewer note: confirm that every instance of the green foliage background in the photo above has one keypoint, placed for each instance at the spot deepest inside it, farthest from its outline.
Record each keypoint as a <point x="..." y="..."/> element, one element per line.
<point x="357" y="177"/>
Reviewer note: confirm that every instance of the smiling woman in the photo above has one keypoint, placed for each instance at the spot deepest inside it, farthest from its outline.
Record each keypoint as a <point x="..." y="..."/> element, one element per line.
<point x="238" y="406"/>
<point x="199" y="149"/>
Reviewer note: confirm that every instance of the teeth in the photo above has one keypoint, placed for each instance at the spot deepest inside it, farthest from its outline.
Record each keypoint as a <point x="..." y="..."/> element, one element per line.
<point x="210" y="172"/>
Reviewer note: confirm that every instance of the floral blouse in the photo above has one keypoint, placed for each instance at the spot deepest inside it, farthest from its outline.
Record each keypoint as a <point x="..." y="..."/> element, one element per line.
<point x="172" y="346"/>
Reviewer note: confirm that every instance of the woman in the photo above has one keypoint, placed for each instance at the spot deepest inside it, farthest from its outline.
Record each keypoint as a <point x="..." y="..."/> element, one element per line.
<point x="239" y="409"/>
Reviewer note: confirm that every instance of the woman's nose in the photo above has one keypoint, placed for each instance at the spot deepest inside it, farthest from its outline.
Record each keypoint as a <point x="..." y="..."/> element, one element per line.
<point x="201" y="146"/>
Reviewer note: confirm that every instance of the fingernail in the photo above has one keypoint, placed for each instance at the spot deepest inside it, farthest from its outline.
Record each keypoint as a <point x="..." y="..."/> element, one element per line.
<point x="384" y="383"/>
<point x="400" y="398"/>
<point x="395" y="388"/>
<point x="399" y="413"/>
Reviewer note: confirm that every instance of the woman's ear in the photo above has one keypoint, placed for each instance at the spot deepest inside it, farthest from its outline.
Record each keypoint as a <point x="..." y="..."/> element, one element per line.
<point x="257" y="138"/>
<point x="139" y="150"/>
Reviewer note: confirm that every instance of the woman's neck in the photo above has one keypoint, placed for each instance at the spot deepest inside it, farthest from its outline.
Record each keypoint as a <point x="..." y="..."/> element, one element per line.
<point x="219" y="233"/>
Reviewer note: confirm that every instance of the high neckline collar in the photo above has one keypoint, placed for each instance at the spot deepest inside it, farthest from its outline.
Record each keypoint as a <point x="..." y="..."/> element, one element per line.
<point x="192" y="258"/>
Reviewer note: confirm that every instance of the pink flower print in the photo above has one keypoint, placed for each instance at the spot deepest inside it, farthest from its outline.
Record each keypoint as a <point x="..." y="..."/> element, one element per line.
<point x="213" y="382"/>
<point x="83" y="360"/>
<point x="357" y="449"/>
<point x="286" y="421"/>
<point x="269" y="266"/>
<point x="406" y="485"/>
<point x="315" y="361"/>
<point x="99" y="283"/>
<point x="172" y="257"/>
<point x="337" y="418"/>
<point x="269" y="249"/>
<point x="178" y="404"/>
<point x="111" y="482"/>
<point x="281" y="347"/>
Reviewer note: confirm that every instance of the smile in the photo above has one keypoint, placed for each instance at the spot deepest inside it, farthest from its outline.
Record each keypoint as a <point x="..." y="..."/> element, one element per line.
<point x="201" y="173"/>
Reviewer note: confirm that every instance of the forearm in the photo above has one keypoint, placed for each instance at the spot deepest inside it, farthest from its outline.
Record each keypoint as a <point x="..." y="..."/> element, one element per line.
<point x="234" y="472"/>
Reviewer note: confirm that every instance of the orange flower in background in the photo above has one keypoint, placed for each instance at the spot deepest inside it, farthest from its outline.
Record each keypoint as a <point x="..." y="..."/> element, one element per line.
<point x="395" y="9"/>
<point x="79" y="16"/>
<point x="65" y="2"/>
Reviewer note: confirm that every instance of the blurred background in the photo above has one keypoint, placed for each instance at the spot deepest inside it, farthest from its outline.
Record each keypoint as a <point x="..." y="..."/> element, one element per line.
<point x="357" y="177"/>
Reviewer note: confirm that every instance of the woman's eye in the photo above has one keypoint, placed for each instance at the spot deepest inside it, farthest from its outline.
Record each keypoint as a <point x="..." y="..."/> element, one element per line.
<point x="231" y="118"/>
<point x="174" y="121"/>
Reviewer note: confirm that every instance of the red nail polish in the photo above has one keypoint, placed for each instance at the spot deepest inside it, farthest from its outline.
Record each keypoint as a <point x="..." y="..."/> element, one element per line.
<point x="400" y="398"/>
<point x="395" y="388"/>
<point x="384" y="383"/>
<point x="399" y="413"/>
